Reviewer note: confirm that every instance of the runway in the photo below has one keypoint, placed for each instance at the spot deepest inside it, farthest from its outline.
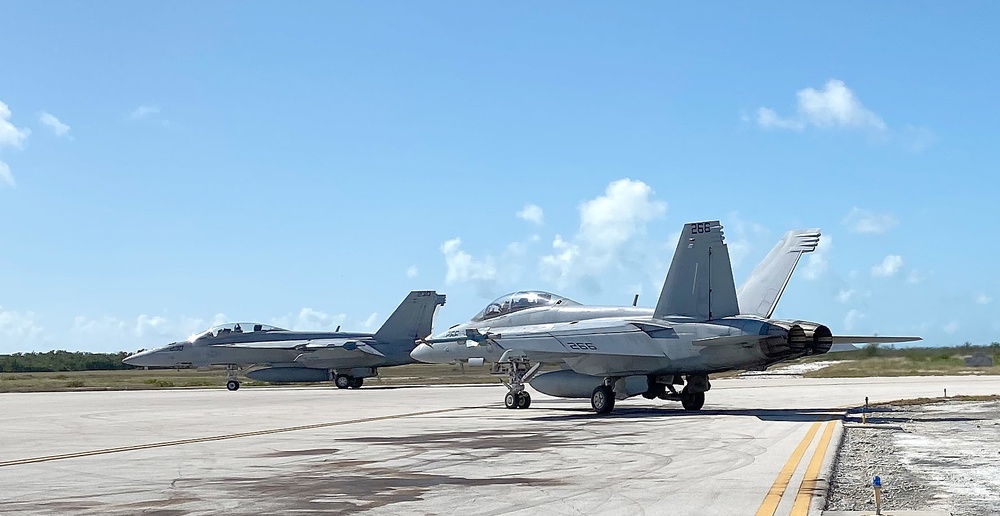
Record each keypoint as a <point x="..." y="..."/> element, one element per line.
<point x="757" y="448"/>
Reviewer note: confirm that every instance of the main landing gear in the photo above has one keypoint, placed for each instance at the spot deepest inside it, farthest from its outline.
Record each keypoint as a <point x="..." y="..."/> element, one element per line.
<point x="692" y="396"/>
<point x="519" y="371"/>
<point x="344" y="381"/>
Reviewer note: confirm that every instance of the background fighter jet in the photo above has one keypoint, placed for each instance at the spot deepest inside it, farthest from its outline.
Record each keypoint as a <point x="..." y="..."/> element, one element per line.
<point x="609" y="353"/>
<point x="303" y="356"/>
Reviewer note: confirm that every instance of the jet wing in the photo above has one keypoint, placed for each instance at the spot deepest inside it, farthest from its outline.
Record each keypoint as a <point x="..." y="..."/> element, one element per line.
<point x="349" y="346"/>
<point x="839" y="339"/>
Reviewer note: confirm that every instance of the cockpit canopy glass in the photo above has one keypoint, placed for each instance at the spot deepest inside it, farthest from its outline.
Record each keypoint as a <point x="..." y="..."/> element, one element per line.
<point x="231" y="328"/>
<point x="517" y="301"/>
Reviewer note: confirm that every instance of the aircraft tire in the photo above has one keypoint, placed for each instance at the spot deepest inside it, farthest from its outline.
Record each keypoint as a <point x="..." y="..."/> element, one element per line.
<point x="356" y="383"/>
<point x="523" y="400"/>
<point x="342" y="381"/>
<point x="511" y="400"/>
<point x="693" y="401"/>
<point x="233" y="385"/>
<point x="603" y="399"/>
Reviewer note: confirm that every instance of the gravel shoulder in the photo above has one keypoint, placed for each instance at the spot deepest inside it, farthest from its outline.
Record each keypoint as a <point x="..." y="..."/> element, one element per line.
<point x="945" y="455"/>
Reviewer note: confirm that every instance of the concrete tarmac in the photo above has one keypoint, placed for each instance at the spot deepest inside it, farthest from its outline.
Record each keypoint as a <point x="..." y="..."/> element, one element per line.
<point x="757" y="447"/>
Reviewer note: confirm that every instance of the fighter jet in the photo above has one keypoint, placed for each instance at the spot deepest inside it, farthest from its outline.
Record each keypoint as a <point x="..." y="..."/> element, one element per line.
<point x="611" y="353"/>
<point x="280" y="355"/>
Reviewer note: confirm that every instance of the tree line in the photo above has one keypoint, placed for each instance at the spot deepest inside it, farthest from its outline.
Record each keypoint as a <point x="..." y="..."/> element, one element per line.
<point x="52" y="361"/>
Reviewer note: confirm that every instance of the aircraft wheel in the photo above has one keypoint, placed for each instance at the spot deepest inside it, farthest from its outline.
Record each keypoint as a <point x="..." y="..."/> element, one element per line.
<point x="692" y="401"/>
<point x="356" y="383"/>
<point x="342" y="381"/>
<point x="233" y="385"/>
<point x="511" y="400"/>
<point x="603" y="399"/>
<point x="523" y="400"/>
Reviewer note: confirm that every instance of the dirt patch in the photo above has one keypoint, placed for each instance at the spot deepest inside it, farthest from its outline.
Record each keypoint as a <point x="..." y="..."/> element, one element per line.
<point x="945" y="457"/>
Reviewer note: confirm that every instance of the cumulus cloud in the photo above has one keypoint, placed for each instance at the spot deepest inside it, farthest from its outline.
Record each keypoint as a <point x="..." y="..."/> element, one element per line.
<point x="889" y="267"/>
<point x="865" y="221"/>
<point x="18" y="329"/>
<point x="59" y="128"/>
<point x="853" y="317"/>
<point x="463" y="268"/>
<point x="741" y="236"/>
<point x="10" y="136"/>
<point x="143" y="331"/>
<point x="845" y="295"/>
<point x="310" y="319"/>
<point x="144" y="111"/>
<point x="611" y="227"/>
<point x="983" y="299"/>
<point x="370" y="321"/>
<point x="818" y="261"/>
<point x="532" y="213"/>
<point x="412" y="272"/>
<point x="6" y="176"/>
<point x="915" y="277"/>
<point x="835" y="106"/>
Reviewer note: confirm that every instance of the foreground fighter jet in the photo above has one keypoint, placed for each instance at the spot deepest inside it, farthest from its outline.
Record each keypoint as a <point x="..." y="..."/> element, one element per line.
<point x="609" y="353"/>
<point x="303" y="356"/>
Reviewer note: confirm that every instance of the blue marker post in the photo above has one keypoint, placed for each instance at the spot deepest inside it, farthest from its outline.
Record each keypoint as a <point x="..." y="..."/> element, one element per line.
<point x="877" y="484"/>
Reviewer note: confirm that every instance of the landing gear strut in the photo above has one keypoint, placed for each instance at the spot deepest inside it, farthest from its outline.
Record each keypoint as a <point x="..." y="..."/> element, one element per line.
<point x="518" y="371"/>
<point x="231" y="378"/>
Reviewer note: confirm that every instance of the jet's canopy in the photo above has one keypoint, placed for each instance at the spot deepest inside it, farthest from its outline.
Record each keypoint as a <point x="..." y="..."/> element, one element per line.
<point x="231" y="328"/>
<point x="517" y="301"/>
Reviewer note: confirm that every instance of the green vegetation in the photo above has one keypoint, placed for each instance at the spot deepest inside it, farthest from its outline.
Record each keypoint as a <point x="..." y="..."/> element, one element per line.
<point x="63" y="370"/>
<point x="62" y="361"/>
<point x="876" y="360"/>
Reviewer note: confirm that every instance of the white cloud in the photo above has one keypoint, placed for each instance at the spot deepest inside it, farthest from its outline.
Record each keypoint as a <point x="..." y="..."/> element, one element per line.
<point x="864" y="221"/>
<point x="818" y="261"/>
<point x="59" y="128"/>
<point x="889" y="267"/>
<point x="532" y="213"/>
<point x="412" y="272"/>
<point x="915" y="277"/>
<point x="609" y="235"/>
<point x="144" y="331"/>
<point x="144" y="111"/>
<point x="463" y="268"/>
<point x="10" y="135"/>
<point x="370" y="321"/>
<point x="309" y="319"/>
<point x="983" y="299"/>
<point x="853" y="317"/>
<point x="6" y="176"/>
<point x="833" y="106"/>
<point x="951" y="327"/>
<point x="844" y="296"/>
<point x="741" y="235"/>
<point x="18" y="329"/>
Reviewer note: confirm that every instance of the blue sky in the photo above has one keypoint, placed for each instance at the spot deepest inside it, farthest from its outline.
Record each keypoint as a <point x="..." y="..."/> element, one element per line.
<point x="166" y="166"/>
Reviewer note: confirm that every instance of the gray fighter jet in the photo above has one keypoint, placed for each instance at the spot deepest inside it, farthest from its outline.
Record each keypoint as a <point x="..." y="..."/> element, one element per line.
<point x="606" y="353"/>
<point x="280" y="355"/>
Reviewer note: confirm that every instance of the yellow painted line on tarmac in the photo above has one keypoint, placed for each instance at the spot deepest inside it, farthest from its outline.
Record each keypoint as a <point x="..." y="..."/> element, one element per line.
<point x="164" y="444"/>
<point x="773" y="498"/>
<point x="808" y="487"/>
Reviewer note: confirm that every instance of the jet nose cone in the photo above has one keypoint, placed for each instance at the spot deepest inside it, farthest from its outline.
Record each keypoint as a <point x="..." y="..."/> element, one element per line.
<point x="135" y="358"/>
<point x="424" y="353"/>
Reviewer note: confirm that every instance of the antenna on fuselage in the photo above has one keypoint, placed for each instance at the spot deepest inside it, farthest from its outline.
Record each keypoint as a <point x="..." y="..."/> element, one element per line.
<point x="635" y="300"/>
<point x="337" y="330"/>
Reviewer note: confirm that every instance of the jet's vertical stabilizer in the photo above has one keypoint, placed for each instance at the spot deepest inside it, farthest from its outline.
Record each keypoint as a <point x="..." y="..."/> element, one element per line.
<point x="759" y="294"/>
<point x="699" y="283"/>
<point x="413" y="318"/>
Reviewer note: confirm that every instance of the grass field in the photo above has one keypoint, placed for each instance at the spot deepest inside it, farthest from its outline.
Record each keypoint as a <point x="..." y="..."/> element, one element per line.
<point x="170" y="378"/>
<point x="862" y="363"/>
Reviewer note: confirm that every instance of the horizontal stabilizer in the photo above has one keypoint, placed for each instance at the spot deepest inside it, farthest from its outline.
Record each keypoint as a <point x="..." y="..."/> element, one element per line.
<point x="838" y="339"/>
<point x="759" y="294"/>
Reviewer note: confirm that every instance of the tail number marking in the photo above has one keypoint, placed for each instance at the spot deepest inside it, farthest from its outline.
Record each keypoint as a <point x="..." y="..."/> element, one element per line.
<point x="701" y="227"/>
<point x="581" y="346"/>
